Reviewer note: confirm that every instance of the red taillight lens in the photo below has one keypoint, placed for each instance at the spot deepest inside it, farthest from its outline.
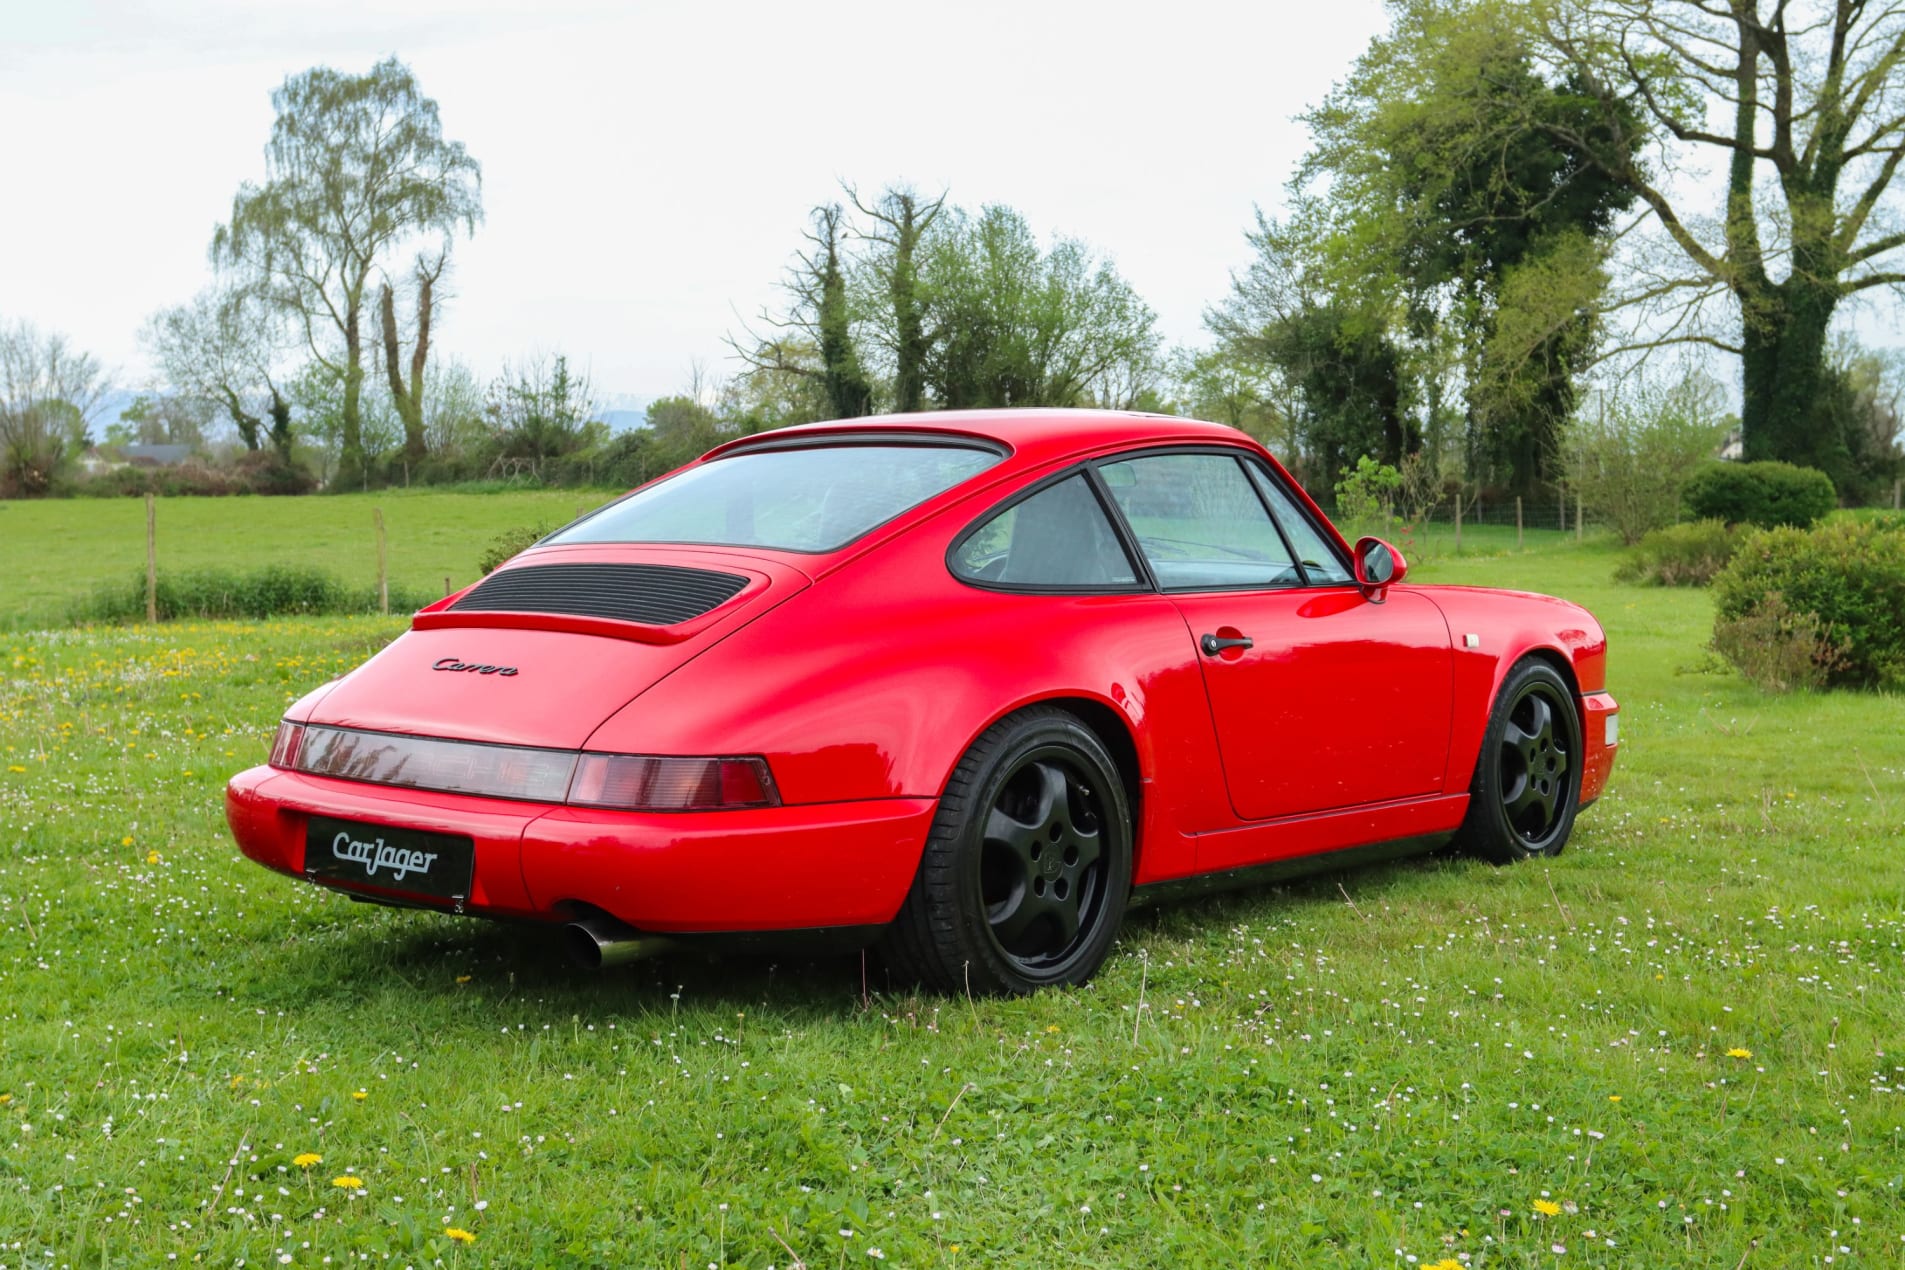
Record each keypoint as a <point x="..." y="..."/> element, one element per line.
<point x="642" y="782"/>
<point x="285" y="746"/>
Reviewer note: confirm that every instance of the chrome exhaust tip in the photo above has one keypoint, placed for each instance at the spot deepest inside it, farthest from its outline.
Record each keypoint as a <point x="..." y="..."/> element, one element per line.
<point x="596" y="943"/>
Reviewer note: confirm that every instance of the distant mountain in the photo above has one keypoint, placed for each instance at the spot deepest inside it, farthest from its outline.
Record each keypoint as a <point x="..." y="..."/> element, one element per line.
<point x="622" y="411"/>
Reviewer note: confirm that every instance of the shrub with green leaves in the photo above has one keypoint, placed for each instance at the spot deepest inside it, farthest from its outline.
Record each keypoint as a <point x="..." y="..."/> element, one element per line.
<point x="1767" y="494"/>
<point x="511" y="542"/>
<point x="276" y="590"/>
<point x="1848" y="574"/>
<point x="1681" y="555"/>
<point x="1629" y="458"/>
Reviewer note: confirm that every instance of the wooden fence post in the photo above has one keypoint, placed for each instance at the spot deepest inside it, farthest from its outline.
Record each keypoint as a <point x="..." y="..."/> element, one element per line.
<point x="1517" y="522"/>
<point x="383" y="580"/>
<point x="1577" y="515"/>
<point x="1896" y="485"/>
<point x="1458" y="522"/>
<point x="446" y="586"/>
<point x="152" y="560"/>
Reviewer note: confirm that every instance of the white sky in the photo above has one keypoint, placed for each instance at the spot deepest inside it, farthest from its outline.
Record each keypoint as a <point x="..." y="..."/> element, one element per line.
<point x="648" y="167"/>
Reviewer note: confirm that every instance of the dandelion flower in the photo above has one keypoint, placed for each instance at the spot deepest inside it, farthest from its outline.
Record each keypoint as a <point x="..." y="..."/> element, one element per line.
<point x="360" y="1095"/>
<point x="5" y="1099"/>
<point x="348" y="1183"/>
<point x="1613" y="1097"/>
<point x="152" y="857"/>
<point x="460" y="1235"/>
<point x="1547" y="1208"/>
<point x="1447" y="1263"/>
<point x="462" y="978"/>
<point x="1737" y="1052"/>
<point x="307" y="1159"/>
<point x="126" y="841"/>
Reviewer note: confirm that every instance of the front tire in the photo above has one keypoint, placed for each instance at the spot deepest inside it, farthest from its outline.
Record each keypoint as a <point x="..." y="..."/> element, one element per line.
<point x="1025" y="874"/>
<point x="1527" y="782"/>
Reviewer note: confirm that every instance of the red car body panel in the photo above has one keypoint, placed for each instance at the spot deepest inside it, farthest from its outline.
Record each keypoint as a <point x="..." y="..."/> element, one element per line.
<point x="863" y="675"/>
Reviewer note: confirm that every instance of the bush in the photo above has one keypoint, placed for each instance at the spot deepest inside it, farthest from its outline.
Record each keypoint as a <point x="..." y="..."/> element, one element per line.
<point x="256" y="472"/>
<point x="272" y="591"/>
<point x="1847" y="574"/>
<point x="1777" y="649"/>
<point x="1681" y="555"/>
<point x="1767" y="494"/>
<point x="509" y="543"/>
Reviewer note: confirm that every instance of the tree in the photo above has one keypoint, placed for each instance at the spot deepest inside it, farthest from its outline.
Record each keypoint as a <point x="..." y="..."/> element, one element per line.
<point x="1862" y="403"/>
<point x="164" y="419"/>
<point x="1333" y="351"/>
<point x="822" y="346"/>
<point x="49" y="392"/>
<point x="901" y="221"/>
<point x="226" y="346"/>
<point x="1814" y="95"/>
<point x="1630" y="455"/>
<point x="408" y="396"/>
<point x="357" y="167"/>
<point x="1015" y="325"/>
<point x="539" y="410"/>
<point x="1433" y="204"/>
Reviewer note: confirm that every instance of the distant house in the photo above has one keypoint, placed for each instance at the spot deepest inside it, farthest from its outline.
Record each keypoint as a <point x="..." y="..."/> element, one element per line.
<point x="1733" y="449"/>
<point x="156" y="455"/>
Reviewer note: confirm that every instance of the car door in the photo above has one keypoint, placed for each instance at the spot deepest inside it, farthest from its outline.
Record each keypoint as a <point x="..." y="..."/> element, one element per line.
<point x="1322" y="696"/>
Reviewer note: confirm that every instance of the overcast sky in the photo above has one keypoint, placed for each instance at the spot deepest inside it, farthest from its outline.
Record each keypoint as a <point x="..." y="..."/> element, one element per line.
<point x="647" y="167"/>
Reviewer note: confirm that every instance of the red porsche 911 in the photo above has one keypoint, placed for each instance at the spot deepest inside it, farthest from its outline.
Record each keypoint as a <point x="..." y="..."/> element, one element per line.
<point x="965" y="685"/>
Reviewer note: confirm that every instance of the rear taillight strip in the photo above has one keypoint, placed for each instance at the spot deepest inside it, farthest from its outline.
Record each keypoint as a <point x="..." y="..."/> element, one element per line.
<point x="624" y="782"/>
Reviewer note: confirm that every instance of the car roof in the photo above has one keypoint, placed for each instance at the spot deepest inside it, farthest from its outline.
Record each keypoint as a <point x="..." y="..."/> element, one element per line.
<point x="1034" y="435"/>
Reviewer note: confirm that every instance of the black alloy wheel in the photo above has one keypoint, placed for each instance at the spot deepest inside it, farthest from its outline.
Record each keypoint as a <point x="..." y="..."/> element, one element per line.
<point x="1025" y="875"/>
<point x="1528" y="775"/>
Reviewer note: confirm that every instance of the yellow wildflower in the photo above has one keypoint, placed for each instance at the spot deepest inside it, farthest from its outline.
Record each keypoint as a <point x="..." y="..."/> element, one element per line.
<point x="349" y="1183"/>
<point x="1547" y="1208"/>
<point x="306" y="1159"/>
<point x="1737" y="1052"/>
<point x="126" y="841"/>
<point x="15" y="767"/>
<point x="5" y="1099"/>
<point x="460" y="1235"/>
<point x="1447" y="1263"/>
<point x="152" y="857"/>
<point x="462" y="978"/>
<point x="360" y="1095"/>
<point x="1613" y="1097"/>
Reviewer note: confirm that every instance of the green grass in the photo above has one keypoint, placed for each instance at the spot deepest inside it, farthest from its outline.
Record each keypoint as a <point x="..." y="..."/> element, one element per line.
<point x="58" y="550"/>
<point x="1387" y="1064"/>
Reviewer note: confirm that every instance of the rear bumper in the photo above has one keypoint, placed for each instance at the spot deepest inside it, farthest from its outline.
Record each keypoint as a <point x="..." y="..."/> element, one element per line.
<point x="1599" y="738"/>
<point x="771" y="869"/>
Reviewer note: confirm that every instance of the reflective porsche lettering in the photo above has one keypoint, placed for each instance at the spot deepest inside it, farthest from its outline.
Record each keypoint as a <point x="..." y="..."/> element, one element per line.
<point x="377" y="855"/>
<point x="477" y="668"/>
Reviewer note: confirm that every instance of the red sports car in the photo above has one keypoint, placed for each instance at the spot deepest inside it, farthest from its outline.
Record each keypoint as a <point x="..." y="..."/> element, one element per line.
<point x="966" y="685"/>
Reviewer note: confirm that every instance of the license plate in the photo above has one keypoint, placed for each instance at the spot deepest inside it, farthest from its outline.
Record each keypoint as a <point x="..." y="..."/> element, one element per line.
<point x="391" y="859"/>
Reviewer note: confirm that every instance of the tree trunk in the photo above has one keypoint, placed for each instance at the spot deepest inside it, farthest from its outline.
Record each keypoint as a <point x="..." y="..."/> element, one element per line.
<point x="246" y="421"/>
<point x="350" y="459"/>
<point x="1782" y="356"/>
<point x="408" y="399"/>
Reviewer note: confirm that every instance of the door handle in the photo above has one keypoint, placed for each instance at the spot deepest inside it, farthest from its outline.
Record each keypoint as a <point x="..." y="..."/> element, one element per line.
<point x="1213" y="645"/>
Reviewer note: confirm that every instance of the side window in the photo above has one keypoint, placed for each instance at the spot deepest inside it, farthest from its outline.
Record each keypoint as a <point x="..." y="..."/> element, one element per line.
<point x="1320" y="564"/>
<point x="1059" y="537"/>
<point x="1199" y="523"/>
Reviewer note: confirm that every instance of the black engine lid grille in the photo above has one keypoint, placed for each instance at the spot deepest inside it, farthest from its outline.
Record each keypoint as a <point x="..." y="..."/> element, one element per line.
<point x="652" y="594"/>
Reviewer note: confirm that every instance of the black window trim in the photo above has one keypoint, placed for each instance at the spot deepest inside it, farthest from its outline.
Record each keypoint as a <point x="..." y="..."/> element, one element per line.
<point x="1143" y="582"/>
<point x="1240" y="456"/>
<point x="1327" y="539"/>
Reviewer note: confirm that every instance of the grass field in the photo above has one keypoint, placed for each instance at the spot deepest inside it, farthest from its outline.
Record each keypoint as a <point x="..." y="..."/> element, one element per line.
<point x="58" y="550"/>
<point x="1682" y="1043"/>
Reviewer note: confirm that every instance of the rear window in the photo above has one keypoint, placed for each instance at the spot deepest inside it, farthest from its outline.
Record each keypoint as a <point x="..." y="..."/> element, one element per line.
<point x="815" y="498"/>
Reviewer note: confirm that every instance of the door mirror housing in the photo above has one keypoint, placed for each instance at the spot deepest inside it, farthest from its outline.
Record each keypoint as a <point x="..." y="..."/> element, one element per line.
<point x="1378" y="565"/>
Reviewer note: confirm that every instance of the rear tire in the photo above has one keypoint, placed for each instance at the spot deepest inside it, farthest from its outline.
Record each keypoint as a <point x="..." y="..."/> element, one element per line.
<point x="1527" y="781"/>
<point x="1025" y="874"/>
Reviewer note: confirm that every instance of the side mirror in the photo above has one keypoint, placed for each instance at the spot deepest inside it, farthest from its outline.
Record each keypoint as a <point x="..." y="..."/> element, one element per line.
<point x="1378" y="565"/>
